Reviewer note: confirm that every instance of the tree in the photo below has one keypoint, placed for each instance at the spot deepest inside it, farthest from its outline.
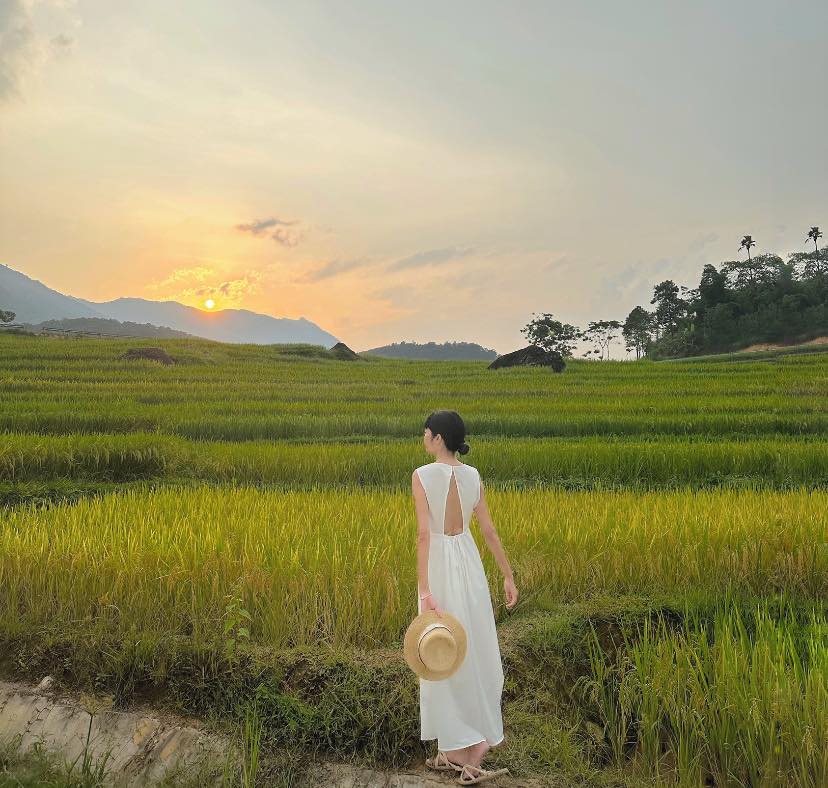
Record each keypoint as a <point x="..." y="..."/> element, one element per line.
<point x="747" y="242"/>
<point x="814" y="234"/>
<point x="712" y="287"/>
<point x="549" y="334"/>
<point x="600" y="332"/>
<point x="6" y="317"/>
<point x="749" y="274"/>
<point x="636" y="330"/>
<point x="669" y="306"/>
<point x="814" y="263"/>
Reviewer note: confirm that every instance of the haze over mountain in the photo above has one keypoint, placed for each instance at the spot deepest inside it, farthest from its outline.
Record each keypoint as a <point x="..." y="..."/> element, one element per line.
<point x="34" y="302"/>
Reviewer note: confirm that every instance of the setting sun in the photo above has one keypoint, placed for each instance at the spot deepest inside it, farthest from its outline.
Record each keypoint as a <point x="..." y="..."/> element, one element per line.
<point x="209" y="303"/>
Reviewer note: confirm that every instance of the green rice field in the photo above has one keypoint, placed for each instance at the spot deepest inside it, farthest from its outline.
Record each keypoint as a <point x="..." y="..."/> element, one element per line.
<point x="240" y="525"/>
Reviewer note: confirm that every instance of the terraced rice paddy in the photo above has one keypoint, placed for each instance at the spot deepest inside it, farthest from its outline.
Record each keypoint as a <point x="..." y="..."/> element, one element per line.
<point x="666" y="524"/>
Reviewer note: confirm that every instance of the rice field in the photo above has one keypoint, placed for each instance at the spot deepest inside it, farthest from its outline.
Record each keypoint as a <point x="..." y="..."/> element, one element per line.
<point x="244" y="393"/>
<point x="334" y="567"/>
<point x="263" y="494"/>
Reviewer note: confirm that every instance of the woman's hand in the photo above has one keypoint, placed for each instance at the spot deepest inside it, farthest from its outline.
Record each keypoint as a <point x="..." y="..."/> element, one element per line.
<point x="511" y="592"/>
<point x="429" y="604"/>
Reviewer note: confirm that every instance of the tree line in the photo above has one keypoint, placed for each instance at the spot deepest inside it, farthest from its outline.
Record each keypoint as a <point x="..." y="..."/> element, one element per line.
<point x="739" y="303"/>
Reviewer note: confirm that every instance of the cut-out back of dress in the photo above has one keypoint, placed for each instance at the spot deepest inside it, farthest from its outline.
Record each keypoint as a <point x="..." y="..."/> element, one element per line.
<point x="452" y="492"/>
<point x="453" y="518"/>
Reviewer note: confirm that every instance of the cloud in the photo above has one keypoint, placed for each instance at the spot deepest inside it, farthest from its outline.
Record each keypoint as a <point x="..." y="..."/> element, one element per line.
<point x="698" y="245"/>
<point x="334" y="267"/>
<point x="431" y="257"/>
<point x="62" y="42"/>
<point x="189" y="283"/>
<point x="24" y="49"/>
<point x="286" y="232"/>
<point x="199" y="273"/>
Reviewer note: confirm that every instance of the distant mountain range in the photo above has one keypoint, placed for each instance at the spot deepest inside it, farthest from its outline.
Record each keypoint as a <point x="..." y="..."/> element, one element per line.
<point x="444" y="351"/>
<point x="108" y="327"/>
<point x="33" y="302"/>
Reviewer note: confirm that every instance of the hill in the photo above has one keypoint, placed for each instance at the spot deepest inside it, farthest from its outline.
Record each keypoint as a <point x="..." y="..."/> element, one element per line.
<point x="33" y="302"/>
<point x="102" y="325"/>
<point x="432" y="351"/>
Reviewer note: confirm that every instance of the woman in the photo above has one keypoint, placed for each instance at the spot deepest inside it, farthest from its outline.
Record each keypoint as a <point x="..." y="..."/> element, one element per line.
<point x="462" y="711"/>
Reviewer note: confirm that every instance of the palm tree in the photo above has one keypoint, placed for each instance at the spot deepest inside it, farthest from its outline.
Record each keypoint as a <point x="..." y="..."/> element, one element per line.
<point x="813" y="234"/>
<point x="747" y="242"/>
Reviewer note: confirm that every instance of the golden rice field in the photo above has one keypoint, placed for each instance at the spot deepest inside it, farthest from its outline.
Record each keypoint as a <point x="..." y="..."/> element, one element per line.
<point x="336" y="566"/>
<point x="149" y="513"/>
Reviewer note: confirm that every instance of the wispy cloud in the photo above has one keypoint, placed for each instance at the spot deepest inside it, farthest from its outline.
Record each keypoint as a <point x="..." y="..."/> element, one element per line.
<point x="334" y="267"/>
<point x="23" y="48"/>
<point x="198" y="273"/>
<point x="286" y="232"/>
<point x="697" y="245"/>
<point x="431" y="257"/>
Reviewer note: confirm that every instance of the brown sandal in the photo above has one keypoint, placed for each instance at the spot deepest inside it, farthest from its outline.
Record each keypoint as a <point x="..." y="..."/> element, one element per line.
<point x="441" y="763"/>
<point x="468" y="777"/>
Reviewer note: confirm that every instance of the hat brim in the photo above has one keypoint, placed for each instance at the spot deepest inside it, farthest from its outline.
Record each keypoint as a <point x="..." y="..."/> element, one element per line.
<point x="412" y="637"/>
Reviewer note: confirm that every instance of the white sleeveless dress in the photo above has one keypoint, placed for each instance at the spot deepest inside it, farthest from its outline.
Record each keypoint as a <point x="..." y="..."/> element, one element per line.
<point x="463" y="709"/>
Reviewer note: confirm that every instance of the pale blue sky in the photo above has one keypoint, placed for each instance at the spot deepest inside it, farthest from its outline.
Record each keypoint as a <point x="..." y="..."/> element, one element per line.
<point x="428" y="171"/>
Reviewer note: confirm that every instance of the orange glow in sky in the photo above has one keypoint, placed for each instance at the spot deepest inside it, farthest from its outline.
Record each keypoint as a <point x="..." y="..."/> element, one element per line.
<point x="209" y="303"/>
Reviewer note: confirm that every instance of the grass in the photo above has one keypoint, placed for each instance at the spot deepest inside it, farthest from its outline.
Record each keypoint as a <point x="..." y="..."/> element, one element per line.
<point x="656" y="463"/>
<point x="244" y="392"/>
<point x="238" y="529"/>
<point x="333" y="565"/>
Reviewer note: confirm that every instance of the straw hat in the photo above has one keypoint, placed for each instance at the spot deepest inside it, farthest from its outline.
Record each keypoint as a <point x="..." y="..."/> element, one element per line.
<point x="434" y="646"/>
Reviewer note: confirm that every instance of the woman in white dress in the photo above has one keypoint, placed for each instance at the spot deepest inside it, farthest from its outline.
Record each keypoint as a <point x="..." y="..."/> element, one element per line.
<point x="462" y="711"/>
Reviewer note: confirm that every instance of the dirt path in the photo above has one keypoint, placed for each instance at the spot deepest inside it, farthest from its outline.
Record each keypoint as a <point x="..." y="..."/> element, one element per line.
<point x="144" y="746"/>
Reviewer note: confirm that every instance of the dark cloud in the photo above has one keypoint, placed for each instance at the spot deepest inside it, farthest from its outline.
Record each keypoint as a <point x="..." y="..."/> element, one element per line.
<point x="62" y="42"/>
<point x="285" y="233"/>
<point x="431" y="257"/>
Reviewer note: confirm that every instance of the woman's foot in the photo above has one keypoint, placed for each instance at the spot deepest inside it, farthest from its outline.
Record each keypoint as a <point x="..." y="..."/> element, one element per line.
<point x="459" y="756"/>
<point x="476" y="753"/>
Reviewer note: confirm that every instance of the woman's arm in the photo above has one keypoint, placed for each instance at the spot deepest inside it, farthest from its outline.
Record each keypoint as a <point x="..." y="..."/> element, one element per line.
<point x="423" y="535"/>
<point x="493" y="541"/>
<point x="490" y="535"/>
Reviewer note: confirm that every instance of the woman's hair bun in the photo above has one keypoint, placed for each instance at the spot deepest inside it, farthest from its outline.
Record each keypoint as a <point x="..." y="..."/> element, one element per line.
<point x="464" y="448"/>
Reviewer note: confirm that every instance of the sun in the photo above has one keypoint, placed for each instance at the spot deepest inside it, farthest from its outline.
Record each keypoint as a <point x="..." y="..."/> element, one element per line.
<point x="209" y="303"/>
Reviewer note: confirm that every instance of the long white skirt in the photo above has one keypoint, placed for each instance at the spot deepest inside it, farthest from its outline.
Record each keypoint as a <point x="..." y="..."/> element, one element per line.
<point x="463" y="709"/>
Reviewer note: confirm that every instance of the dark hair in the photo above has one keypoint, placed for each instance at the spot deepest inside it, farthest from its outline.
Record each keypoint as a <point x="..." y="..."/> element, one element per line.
<point x="448" y="424"/>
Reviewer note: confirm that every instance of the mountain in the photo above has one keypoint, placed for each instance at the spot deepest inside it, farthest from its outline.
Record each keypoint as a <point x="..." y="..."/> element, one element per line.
<point x="445" y="351"/>
<point x="33" y="302"/>
<point x="108" y="327"/>
<point x="224" y="325"/>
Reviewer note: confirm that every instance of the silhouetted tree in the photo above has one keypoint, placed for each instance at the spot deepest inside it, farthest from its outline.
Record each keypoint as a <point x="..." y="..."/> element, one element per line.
<point x="637" y="329"/>
<point x="550" y="334"/>
<point x="6" y="317"/>
<point x="815" y="234"/>
<point x="669" y="306"/>
<point x="712" y="287"/>
<point x="747" y="242"/>
<point x="602" y="333"/>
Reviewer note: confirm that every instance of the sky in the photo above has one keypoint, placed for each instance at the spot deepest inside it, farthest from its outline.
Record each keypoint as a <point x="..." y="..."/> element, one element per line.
<point x="397" y="171"/>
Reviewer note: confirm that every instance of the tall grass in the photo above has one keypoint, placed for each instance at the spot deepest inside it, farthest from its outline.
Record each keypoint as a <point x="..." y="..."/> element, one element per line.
<point x="739" y="702"/>
<point x="339" y="566"/>
<point x="663" y="461"/>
